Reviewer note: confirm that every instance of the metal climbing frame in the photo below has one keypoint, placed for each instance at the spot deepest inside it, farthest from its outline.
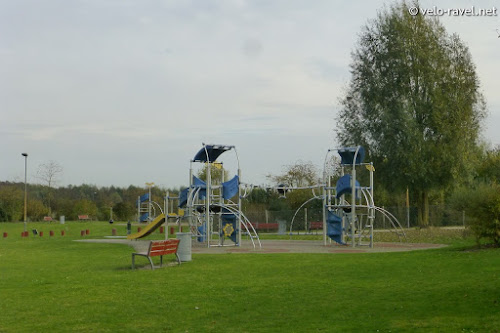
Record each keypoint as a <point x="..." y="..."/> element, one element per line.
<point x="209" y="208"/>
<point x="348" y="208"/>
<point x="146" y="207"/>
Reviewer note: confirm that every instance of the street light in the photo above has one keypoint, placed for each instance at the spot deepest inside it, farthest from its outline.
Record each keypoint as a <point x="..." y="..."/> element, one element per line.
<point x="25" y="189"/>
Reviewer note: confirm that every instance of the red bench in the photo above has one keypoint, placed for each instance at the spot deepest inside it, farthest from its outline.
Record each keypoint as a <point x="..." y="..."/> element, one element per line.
<point x="267" y="226"/>
<point x="159" y="248"/>
<point x="316" y="225"/>
<point x="83" y="217"/>
<point x="47" y="218"/>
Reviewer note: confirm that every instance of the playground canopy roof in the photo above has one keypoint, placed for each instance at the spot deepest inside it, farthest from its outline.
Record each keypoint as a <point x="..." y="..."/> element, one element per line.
<point x="347" y="155"/>
<point x="212" y="152"/>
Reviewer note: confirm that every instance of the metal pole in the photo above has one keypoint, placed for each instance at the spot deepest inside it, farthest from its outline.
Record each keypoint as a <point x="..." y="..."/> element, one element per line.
<point x="408" y="208"/>
<point x="383" y="218"/>
<point x="208" y="189"/>
<point x="165" y="204"/>
<point x="353" y="197"/>
<point x="207" y="203"/>
<point x="372" y="209"/>
<point x="25" y="190"/>
<point x="239" y="206"/>
<point x="238" y="228"/>
<point x="305" y="220"/>
<point x="189" y="205"/>
<point x="139" y="209"/>
<point x="221" y="201"/>
<point x="325" y="200"/>
<point x="342" y="202"/>
<point x="150" y="204"/>
<point x="166" y="211"/>
<point x="324" y="214"/>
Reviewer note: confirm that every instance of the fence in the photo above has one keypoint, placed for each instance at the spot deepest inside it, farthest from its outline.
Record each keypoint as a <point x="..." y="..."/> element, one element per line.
<point x="306" y="219"/>
<point x="439" y="216"/>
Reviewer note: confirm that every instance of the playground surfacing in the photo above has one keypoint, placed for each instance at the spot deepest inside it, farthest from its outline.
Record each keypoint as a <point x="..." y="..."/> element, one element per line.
<point x="282" y="246"/>
<point x="307" y="246"/>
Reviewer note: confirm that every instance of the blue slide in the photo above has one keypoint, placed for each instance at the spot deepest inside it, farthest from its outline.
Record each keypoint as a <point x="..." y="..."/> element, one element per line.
<point x="334" y="227"/>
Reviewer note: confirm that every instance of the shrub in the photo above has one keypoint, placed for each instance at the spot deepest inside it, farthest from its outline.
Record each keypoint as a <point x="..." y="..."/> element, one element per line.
<point x="482" y="205"/>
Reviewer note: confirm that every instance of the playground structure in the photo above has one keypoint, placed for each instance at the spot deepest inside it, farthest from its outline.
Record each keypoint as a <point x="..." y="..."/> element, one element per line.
<point x="146" y="207"/>
<point x="349" y="208"/>
<point x="212" y="207"/>
<point x="150" y="211"/>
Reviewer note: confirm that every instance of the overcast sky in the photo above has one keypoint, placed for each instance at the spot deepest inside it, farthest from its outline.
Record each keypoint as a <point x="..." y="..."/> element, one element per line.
<point x="123" y="92"/>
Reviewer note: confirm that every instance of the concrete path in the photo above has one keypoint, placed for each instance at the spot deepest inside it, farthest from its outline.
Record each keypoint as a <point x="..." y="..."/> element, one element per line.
<point x="281" y="246"/>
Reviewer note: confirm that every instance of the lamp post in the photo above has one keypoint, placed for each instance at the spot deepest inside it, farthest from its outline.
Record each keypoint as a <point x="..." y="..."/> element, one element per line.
<point x="25" y="188"/>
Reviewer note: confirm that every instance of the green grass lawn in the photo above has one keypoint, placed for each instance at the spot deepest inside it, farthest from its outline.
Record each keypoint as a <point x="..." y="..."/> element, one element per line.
<point x="53" y="284"/>
<point x="414" y="235"/>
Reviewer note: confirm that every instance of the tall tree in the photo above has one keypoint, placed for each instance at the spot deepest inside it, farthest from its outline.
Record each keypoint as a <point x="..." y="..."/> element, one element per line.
<point x="414" y="101"/>
<point x="217" y="173"/>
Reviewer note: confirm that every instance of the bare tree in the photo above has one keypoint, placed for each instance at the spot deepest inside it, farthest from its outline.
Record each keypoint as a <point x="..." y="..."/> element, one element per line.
<point x="49" y="173"/>
<point x="299" y="174"/>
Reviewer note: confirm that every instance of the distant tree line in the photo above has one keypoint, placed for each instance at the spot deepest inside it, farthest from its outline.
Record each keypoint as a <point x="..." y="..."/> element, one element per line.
<point x="72" y="200"/>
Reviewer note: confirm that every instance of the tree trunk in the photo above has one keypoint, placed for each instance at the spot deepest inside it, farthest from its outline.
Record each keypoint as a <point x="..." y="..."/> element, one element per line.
<point x="50" y="209"/>
<point x="423" y="209"/>
<point x="426" y="208"/>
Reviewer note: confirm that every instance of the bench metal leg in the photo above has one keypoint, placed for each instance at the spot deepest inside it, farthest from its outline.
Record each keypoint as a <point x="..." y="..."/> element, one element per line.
<point x="149" y="258"/>
<point x="151" y="262"/>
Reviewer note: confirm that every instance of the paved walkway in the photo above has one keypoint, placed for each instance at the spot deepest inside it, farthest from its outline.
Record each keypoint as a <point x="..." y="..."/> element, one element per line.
<point x="281" y="246"/>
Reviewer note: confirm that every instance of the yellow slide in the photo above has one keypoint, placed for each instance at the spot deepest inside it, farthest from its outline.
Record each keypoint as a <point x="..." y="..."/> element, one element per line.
<point x="149" y="228"/>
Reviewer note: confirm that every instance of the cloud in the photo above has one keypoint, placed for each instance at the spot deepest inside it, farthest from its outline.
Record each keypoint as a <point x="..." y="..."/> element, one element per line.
<point x="117" y="81"/>
<point x="252" y="48"/>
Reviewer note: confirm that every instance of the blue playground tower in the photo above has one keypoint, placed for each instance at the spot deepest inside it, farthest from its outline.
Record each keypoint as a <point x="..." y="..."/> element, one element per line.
<point x="348" y="207"/>
<point x="213" y="207"/>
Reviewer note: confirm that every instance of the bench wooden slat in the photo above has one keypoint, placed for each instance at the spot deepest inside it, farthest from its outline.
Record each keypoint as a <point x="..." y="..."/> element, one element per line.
<point x="159" y="248"/>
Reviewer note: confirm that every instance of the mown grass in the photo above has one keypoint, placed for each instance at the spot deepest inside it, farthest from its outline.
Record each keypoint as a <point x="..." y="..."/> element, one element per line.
<point x="414" y="235"/>
<point x="58" y="285"/>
